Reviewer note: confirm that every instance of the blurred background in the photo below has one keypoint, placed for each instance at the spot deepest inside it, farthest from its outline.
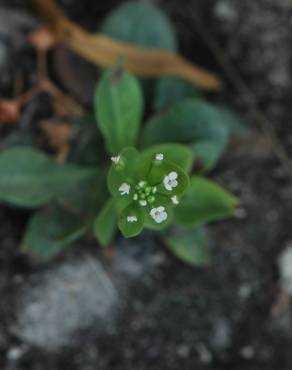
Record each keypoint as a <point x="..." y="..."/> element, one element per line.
<point x="137" y="307"/>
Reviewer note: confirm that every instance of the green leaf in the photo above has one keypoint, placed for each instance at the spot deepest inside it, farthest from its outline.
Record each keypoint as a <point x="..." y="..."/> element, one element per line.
<point x="118" y="109"/>
<point x="29" y="178"/>
<point x="141" y="23"/>
<point x="190" y="122"/>
<point x="232" y="120"/>
<point x="207" y="153"/>
<point x="203" y="202"/>
<point x="87" y="199"/>
<point x="131" y="229"/>
<point x="189" y="245"/>
<point x="122" y="173"/>
<point x="59" y="225"/>
<point x="51" y="230"/>
<point x="171" y="90"/>
<point x="105" y="224"/>
<point x="178" y="154"/>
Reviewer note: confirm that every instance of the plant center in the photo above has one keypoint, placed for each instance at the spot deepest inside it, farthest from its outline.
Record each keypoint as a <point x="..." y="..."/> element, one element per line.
<point x="144" y="193"/>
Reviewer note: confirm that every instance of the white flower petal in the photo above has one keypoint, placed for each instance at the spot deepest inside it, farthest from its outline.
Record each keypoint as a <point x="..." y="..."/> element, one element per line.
<point x="163" y="216"/>
<point x="158" y="214"/>
<point x="124" y="189"/>
<point x="166" y="183"/>
<point x="159" y="219"/>
<point x="116" y="159"/>
<point x="172" y="175"/>
<point x="159" y="156"/>
<point x="170" y="181"/>
<point x="174" y="200"/>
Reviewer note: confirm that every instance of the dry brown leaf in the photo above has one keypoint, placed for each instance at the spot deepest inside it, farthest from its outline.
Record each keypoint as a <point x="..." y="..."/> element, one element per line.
<point x="57" y="135"/>
<point x="64" y="105"/>
<point x="105" y="51"/>
<point x="42" y="39"/>
<point x="9" y="111"/>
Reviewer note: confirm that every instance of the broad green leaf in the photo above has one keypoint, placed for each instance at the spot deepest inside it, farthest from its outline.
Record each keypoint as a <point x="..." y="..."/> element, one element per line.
<point x="129" y="157"/>
<point x="203" y="202"/>
<point x="57" y="226"/>
<point x="140" y="23"/>
<point x="105" y="224"/>
<point x="30" y="178"/>
<point x="51" y="230"/>
<point x="86" y="199"/>
<point x="190" y="122"/>
<point x="207" y="153"/>
<point x="118" y="109"/>
<point x="171" y="90"/>
<point x="189" y="245"/>
<point x="131" y="220"/>
<point x="178" y="154"/>
<point x="232" y="120"/>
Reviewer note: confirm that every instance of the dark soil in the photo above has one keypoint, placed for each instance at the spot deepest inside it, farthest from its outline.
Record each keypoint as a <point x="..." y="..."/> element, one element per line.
<point x="227" y="316"/>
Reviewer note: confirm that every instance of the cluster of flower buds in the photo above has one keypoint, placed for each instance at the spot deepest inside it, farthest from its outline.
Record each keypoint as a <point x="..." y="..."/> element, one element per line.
<point x="145" y="189"/>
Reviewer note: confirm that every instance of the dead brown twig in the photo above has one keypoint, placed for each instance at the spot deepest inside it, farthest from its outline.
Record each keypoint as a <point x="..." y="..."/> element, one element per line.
<point x="104" y="51"/>
<point x="64" y="105"/>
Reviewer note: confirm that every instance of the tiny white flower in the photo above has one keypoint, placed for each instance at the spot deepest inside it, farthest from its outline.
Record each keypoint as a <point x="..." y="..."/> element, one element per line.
<point x="158" y="214"/>
<point x="174" y="200"/>
<point x="142" y="202"/>
<point x="116" y="159"/>
<point x="135" y="197"/>
<point x="124" y="189"/>
<point x="159" y="156"/>
<point x="170" y="181"/>
<point x="132" y="219"/>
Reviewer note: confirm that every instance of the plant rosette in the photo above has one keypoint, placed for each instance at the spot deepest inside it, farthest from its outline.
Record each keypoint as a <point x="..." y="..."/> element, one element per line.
<point x="145" y="188"/>
<point x="184" y="135"/>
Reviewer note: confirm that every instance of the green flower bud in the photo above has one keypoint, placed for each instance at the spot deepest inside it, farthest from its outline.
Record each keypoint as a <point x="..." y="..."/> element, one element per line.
<point x="151" y="199"/>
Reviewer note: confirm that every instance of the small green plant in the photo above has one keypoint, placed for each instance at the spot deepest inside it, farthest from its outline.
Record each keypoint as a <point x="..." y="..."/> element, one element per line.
<point x="157" y="186"/>
<point x="122" y="174"/>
